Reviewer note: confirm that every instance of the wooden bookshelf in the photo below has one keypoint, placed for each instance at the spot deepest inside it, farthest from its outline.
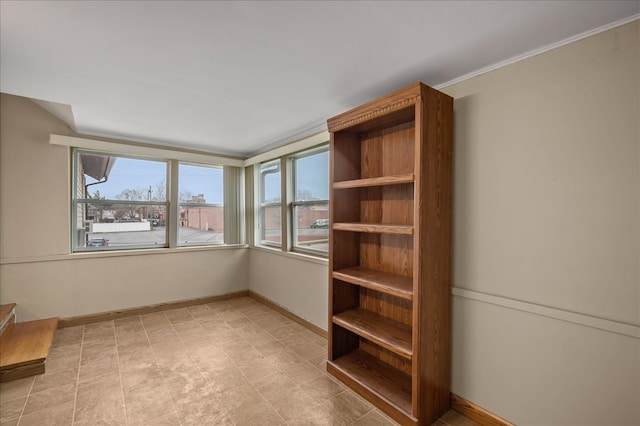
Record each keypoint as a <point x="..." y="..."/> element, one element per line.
<point x="389" y="334"/>
<point x="377" y="181"/>
<point x="384" y="282"/>
<point x="390" y="252"/>
<point x="374" y="228"/>
<point x="382" y="383"/>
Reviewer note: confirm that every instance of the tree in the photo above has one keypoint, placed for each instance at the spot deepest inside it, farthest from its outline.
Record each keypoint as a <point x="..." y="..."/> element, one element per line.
<point x="160" y="191"/>
<point x="186" y="195"/>
<point x="96" y="196"/>
<point x="304" y="195"/>
<point x="128" y="211"/>
<point x="131" y="194"/>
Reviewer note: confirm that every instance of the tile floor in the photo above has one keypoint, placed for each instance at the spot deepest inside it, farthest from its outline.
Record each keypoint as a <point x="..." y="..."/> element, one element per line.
<point x="223" y="363"/>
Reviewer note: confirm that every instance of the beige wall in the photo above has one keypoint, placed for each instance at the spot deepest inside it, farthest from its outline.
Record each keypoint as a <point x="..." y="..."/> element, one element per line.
<point x="546" y="205"/>
<point x="546" y="306"/>
<point x="298" y="285"/>
<point x="36" y="270"/>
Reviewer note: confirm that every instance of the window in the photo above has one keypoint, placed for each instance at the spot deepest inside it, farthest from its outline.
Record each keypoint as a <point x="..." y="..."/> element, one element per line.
<point x="306" y="225"/>
<point x="311" y="201"/>
<point x="270" y="220"/>
<point x="127" y="202"/>
<point x="120" y="202"/>
<point x="200" y="197"/>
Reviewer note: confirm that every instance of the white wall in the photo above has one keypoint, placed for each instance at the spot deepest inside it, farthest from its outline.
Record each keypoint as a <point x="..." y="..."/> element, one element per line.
<point x="546" y="306"/>
<point x="300" y="286"/>
<point x="36" y="270"/>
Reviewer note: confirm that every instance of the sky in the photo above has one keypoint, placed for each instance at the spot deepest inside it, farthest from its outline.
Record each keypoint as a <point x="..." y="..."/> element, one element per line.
<point x="312" y="176"/>
<point x="130" y="173"/>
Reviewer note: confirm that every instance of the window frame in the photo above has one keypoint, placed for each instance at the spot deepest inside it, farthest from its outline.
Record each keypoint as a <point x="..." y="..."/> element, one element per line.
<point x="199" y="205"/>
<point x="294" y="203"/>
<point x="262" y="205"/>
<point x="288" y="202"/>
<point x="171" y="203"/>
<point x="75" y="202"/>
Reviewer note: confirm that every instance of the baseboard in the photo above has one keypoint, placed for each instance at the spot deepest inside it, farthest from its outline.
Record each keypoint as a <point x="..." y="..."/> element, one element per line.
<point x="122" y="313"/>
<point x="476" y="413"/>
<point x="284" y="311"/>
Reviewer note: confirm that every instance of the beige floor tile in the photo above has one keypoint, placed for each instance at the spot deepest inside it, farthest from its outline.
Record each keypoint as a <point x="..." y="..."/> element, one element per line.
<point x="126" y="321"/>
<point x="153" y="317"/>
<point x="347" y="406"/>
<point x="234" y="362"/>
<point x="266" y="417"/>
<point x="243" y="403"/>
<point x="98" y="356"/>
<point x="98" y="365"/>
<point x="12" y="408"/>
<point x="132" y="336"/>
<point x="144" y="407"/>
<point x="54" y="378"/>
<point x="302" y="372"/>
<point x="320" y="362"/>
<point x="64" y="350"/>
<point x="68" y="336"/>
<point x="108" y="408"/>
<point x="374" y="418"/>
<point x="99" y="345"/>
<point x="283" y="331"/>
<point x="98" y="331"/>
<point x="63" y="360"/>
<point x="178" y="315"/>
<point x="230" y="315"/>
<point x="143" y="361"/>
<point x="183" y="388"/>
<point x="58" y="415"/>
<point x="50" y="398"/>
<point x="169" y="419"/>
<point x="224" y="379"/>
<point x="226" y="337"/>
<point x="291" y="402"/>
<point x="139" y="381"/>
<point x="96" y="388"/>
<point x="15" y="388"/>
<point x="322" y="388"/>
<point x="194" y="396"/>
<point x="308" y="350"/>
<point x="272" y="386"/>
<point x="316" y="416"/>
<point x="271" y="347"/>
<point x="258" y="369"/>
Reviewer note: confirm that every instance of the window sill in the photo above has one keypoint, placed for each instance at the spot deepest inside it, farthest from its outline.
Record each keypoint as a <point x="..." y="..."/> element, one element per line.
<point x="118" y="253"/>
<point x="293" y="255"/>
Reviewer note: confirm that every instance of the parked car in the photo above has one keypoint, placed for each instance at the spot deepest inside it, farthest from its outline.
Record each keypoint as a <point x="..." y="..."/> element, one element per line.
<point x="98" y="242"/>
<point x="320" y="223"/>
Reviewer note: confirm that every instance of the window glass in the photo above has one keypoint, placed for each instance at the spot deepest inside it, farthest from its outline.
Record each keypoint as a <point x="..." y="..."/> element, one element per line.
<point x="201" y="205"/>
<point x="119" y="202"/>
<point x="311" y="205"/>
<point x="270" y="220"/>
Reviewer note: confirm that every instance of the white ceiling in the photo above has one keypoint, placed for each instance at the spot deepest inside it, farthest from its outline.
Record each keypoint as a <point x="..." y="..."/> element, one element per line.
<point x="241" y="77"/>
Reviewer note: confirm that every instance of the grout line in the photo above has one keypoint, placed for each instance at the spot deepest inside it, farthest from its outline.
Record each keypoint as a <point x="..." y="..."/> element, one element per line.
<point x="124" y="405"/>
<point x="157" y="366"/>
<point x="33" y="382"/>
<point x="75" y="395"/>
